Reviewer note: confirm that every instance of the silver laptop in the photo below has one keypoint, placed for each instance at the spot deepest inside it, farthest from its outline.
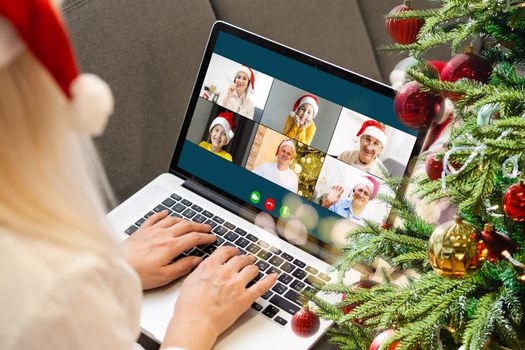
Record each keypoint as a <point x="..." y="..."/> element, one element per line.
<point x="275" y="214"/>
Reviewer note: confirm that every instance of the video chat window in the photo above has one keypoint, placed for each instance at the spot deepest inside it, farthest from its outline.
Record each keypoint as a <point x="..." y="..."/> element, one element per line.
<point x="236" y="87"/>
<point x="337" y="158"/>
<point x="371" y="146"/>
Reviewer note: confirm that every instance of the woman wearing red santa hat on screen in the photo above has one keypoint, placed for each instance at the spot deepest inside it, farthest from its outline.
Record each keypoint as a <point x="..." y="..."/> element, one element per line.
<point x="221" y="132"/>
<point x="352" y="208"/>
<point x="65" y="282"/>
<point x="372" y="140"/>
<point x="299" y="124"/>
<point x="237" y="96"/>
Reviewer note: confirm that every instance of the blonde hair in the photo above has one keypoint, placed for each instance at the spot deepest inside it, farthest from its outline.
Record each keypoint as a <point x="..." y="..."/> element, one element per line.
<point x="52" y="185"/>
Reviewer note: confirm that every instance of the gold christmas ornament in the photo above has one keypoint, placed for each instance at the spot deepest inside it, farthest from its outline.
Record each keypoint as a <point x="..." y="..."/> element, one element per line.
<point x="453" y="249"/>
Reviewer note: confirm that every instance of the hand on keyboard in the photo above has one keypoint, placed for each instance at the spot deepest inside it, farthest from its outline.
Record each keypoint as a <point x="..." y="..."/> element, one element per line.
<point x="213" y="297"/>
<point x="151" y="248"/>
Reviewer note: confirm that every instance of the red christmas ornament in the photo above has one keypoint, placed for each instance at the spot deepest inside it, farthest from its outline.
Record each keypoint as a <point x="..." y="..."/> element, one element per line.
<point x="466" y="65"/>
<point x="403" y="31"/>
<point x="415" y="108"/>
<point x="305" y="322"/>
<point x="514" y="201"/>
<point x="496" y="243"/>
<point x="365" y="283"/>
<point x="385" y="225"/>
<point x="382" y="339"/>
<point x="433" y="167"/>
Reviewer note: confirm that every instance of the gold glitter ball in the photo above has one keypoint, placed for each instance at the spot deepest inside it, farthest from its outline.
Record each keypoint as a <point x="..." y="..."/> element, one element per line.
<point x="454" y="250"/>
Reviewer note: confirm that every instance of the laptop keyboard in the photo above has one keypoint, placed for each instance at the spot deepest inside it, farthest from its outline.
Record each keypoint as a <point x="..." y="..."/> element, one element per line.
<point x="294" y="275"/>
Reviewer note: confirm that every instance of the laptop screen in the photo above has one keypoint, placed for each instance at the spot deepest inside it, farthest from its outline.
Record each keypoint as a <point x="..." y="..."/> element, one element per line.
<point x="304" y="144"/>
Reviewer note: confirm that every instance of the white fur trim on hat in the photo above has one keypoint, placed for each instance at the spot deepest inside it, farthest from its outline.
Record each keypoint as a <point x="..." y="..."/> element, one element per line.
<point x="91" y="104"/>
<point x="287" y="143"/>
<point x="10" y="43"/>
<point x="377" y="133"/>
<point x="368" y="183"/>
<point x="373" y="185"/>
<point x="311" y="102"/>
<point x="226" y="125"/>
<point x="305" y="99"/>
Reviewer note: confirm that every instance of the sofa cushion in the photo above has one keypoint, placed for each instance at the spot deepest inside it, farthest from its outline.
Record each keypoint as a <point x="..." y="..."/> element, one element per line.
<point x="149" y="53"/>
<point x="331" y="30"/>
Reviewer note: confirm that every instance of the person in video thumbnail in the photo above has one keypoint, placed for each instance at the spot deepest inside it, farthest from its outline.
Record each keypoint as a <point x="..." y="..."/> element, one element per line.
<point x="372" y="140"/>
<point x="237" y="96"/>
<point x="221" y="132"/>
<point x="352" y="208"/>
<point x="279" y="171"/>
<point x="299" y="124"/>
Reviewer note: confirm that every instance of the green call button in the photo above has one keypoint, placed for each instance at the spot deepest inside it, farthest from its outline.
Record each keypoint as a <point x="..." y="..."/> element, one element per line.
<point x="255" y="197"/>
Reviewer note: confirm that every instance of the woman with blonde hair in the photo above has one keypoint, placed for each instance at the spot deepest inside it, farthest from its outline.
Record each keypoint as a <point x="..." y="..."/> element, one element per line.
<point x="66" y="283"/>
<point x="237" y="96"/>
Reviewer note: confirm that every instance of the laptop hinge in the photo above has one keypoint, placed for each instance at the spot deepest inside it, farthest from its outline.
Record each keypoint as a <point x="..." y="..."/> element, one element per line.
<point x="220" y="200"/>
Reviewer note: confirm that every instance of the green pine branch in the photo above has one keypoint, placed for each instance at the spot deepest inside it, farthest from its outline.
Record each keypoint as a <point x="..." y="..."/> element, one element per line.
<point x="430" y="311"/>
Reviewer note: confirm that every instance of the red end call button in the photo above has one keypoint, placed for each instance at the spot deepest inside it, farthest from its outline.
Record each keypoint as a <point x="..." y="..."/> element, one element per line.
<point x="269" y="204"/>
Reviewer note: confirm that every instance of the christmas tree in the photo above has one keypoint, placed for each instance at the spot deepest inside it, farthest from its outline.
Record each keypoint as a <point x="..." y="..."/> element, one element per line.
<point x="470" y="285"/>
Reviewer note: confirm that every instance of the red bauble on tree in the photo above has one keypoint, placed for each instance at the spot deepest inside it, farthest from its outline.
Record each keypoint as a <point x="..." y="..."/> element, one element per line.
<point x="305" y="322"/>
<point x="497" y="243"/>
<point x="466" y="65"/>
<point x="433" y="167"/>
<point x="514" y="201"/>
<point x="416" y="108"/>
<point x="382" y="338"/>
<point x="365" y="283"/>
<point x="386" y="225"/>
<point x="403" y="31"/>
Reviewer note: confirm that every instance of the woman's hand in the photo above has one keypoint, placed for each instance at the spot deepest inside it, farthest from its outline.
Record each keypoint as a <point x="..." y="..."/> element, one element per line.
<point x="151" y="249"/>
<point x="231" y="90"/>
<point x="302" y="121"/>
<point x="213" y="297"/>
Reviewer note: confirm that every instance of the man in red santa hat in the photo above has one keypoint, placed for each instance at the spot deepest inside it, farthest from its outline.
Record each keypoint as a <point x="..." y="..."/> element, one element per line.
<point x="279" y="171"/>
<point x="352" y="208"/>
<point x="372" y="140"/>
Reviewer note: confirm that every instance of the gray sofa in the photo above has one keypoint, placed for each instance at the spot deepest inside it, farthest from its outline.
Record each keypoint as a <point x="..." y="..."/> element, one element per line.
<point x="149" y="52"/>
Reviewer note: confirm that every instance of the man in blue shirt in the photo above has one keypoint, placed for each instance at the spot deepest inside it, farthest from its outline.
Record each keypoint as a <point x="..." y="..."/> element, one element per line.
<point x="352" y="208"/>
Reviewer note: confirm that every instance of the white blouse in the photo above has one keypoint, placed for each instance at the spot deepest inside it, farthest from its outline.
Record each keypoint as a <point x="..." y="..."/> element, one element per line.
<point x="55" y="298"/>
<point x="242" y="105"/>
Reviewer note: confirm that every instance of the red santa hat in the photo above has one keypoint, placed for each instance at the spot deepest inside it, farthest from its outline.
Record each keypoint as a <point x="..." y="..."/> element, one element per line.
<point x="285" y="143"/>
<point x="371" y="183"/>
<point x="37" y="27"/>
<point x="225" y="119"/>
<point x="310" y="99"/>
<point x="374" y="129"/>
<point x="249" y="73"/>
